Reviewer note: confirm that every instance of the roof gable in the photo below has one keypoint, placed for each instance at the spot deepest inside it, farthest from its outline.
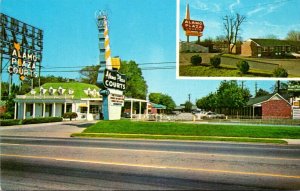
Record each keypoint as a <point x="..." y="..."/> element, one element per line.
<point x="78" y="89"/>
<point x="275" y="42"/>
<point x="266" y="98"/>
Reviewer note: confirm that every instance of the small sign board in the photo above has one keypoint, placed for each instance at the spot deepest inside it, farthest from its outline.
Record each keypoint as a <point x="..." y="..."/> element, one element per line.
<point x="193" y="33"/>
<point x="192" y="25"/>
<point x="114" y="80"/>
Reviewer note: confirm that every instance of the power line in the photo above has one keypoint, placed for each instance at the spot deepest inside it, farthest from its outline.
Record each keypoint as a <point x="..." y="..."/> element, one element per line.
<point x="147" y="63"/>
<point x="246" y="7"/>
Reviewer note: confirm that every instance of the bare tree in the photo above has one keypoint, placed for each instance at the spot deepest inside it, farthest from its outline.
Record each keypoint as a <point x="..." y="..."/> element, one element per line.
<point x="232" y="25"/>
<point x="293" y="35"/>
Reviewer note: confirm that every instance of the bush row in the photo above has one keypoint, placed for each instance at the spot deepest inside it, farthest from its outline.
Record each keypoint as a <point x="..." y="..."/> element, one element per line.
<point x="30" y="121"/>
<point x="242" y="66"/>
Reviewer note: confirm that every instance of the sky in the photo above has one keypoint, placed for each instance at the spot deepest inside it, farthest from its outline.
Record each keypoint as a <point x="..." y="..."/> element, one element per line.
<point x="139" y="30"/>
<point x="263" y="17"/>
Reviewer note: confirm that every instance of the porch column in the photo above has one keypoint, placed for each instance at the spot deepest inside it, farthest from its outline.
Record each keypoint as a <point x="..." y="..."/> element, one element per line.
<point x="44" y="109"/>
<point x="253" y="112"/>
<point x="140" y="113"/>
<point x="24" y="110"/>
<point x="33" y="110"/>
<point x="131" y="105"/>
<point x="147" y="110"/>
<point x="15" y="114"/>
<point x="65" y="107"/>
<point x="88" y="107"/>
<point x="53" y="110"/>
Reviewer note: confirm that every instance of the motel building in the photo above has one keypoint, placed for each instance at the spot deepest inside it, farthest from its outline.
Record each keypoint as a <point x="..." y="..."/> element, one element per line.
<point x="55" y="99"/>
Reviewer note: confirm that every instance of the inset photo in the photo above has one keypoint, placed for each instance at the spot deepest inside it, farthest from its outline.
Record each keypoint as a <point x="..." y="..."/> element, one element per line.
<point x="238" y="39"/>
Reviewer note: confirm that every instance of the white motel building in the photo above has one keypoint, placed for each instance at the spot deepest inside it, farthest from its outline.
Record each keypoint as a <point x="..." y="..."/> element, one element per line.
<point x="55" y="99"/>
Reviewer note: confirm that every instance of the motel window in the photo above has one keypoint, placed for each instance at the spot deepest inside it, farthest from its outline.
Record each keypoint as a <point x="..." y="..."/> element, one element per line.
<point x="69" y="107"/>
<point x="29" y="109"/>
<point x="265" y="48"/>
<point x="94" y="109"/>
<point x="83" y="109"/>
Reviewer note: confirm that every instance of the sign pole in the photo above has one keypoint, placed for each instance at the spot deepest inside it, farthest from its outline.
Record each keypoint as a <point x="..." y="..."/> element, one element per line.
<point x="0" y="76"/>
<point x="9" y="85"/>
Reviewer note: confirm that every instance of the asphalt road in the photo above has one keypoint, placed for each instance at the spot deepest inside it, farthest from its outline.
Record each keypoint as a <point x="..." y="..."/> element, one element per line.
<point x="86" y="164"/>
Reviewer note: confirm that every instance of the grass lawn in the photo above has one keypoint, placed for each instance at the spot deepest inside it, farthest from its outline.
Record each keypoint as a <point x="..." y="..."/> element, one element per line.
<point x="224" y="70"/>
<point x="183" y="131"/>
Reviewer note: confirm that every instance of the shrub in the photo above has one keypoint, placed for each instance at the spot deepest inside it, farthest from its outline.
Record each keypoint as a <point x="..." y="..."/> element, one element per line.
<point x="196" y="60"/>
<point x="70" y="115"/>
<point x="10" y="122"/>
<point x="215" y="61"/>
<point x="280" y="72"/>
<point x="6" y="115"/>
<point x="41" y="120"/>
<point x="243" y="66"/>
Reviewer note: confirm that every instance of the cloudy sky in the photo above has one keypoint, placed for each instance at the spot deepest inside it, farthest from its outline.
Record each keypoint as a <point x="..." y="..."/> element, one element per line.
<point x="139" y="30"/>
<point x="263" y="17"/>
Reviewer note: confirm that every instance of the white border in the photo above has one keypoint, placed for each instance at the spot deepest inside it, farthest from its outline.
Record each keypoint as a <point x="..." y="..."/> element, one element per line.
<point x="213" y="78"/>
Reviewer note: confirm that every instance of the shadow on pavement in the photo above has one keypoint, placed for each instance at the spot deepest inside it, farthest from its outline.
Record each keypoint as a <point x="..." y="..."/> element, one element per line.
<point x="81" y="125"/>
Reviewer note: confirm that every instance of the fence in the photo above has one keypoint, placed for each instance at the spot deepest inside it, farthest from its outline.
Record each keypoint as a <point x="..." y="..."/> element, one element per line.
<point x="233" y="119"/>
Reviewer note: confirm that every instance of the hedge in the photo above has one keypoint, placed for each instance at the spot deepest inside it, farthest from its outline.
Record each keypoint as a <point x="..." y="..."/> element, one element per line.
<point x="280" y="72"/>
<point x="215" y="61"/>
<point x="10" y="122"/>
<point x="42" y="120"/>
<point x="243" y="66"/>
<point x="196" y="60"/>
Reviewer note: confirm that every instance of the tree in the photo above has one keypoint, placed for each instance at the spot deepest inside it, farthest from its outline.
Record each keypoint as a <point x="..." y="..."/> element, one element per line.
<point x="89" y="74"/>
<point x="228" y="96"/>
<point x="232" y="25"/>
<point x="188" y="106"/>
<point x="271" y="36"/>
<point x="163" y="99"/>
<point x="293" y="35"/>
<point x="261" y="92"/>
<point x="136" y="85"/>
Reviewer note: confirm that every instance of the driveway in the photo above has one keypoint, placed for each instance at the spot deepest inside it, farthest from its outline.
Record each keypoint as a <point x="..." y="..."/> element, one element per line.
<point x="58" y="129"/>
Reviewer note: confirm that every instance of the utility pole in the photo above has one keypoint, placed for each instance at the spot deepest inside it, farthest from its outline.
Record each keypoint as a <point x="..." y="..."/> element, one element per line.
<point x="0" y="76"/>
<point x="189" y="98"/>
<point x="255" y="88"/>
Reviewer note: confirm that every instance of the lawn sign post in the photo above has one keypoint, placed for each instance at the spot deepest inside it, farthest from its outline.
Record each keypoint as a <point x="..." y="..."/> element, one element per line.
<point x="192" y="27"/>
<point x="111" y="82"/>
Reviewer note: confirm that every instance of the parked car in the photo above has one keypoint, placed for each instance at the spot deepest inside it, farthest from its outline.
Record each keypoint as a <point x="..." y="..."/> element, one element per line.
<point x="213" y="115"/>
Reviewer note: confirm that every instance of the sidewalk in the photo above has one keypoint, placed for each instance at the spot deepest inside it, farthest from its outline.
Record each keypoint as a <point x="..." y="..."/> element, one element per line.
<point x="57" y="129"/>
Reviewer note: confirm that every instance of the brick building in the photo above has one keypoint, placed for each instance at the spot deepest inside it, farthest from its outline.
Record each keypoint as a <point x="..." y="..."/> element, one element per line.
<point x="268" y="47"/>
<point x="273" y="106"/>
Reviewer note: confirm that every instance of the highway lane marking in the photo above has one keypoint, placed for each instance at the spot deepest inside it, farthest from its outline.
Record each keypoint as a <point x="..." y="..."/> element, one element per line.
<point x="156" y="151"/>
<point x="153" y="166"/>
<point x="165" y="143"/>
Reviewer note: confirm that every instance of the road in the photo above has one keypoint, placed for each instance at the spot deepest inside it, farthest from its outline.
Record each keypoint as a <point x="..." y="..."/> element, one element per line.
<point x="34" y="163"/>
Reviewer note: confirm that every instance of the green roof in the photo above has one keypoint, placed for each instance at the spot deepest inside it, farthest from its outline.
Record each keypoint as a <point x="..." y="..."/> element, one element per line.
<point x="256" y="100"/>
<point x="77" y="87"/>
<point x="158" y="106"/>
<point x="275" y="42"/>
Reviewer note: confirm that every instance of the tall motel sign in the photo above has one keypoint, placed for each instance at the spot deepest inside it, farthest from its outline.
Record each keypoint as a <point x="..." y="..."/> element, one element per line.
<point x="111" y="82"/>
<point x="20" y="51"/>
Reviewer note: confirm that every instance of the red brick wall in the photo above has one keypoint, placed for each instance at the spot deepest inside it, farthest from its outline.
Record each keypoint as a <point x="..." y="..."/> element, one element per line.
<point x="276" y="109"/>
<point x="246" y="49"/>
<point x="2" y="109"/>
